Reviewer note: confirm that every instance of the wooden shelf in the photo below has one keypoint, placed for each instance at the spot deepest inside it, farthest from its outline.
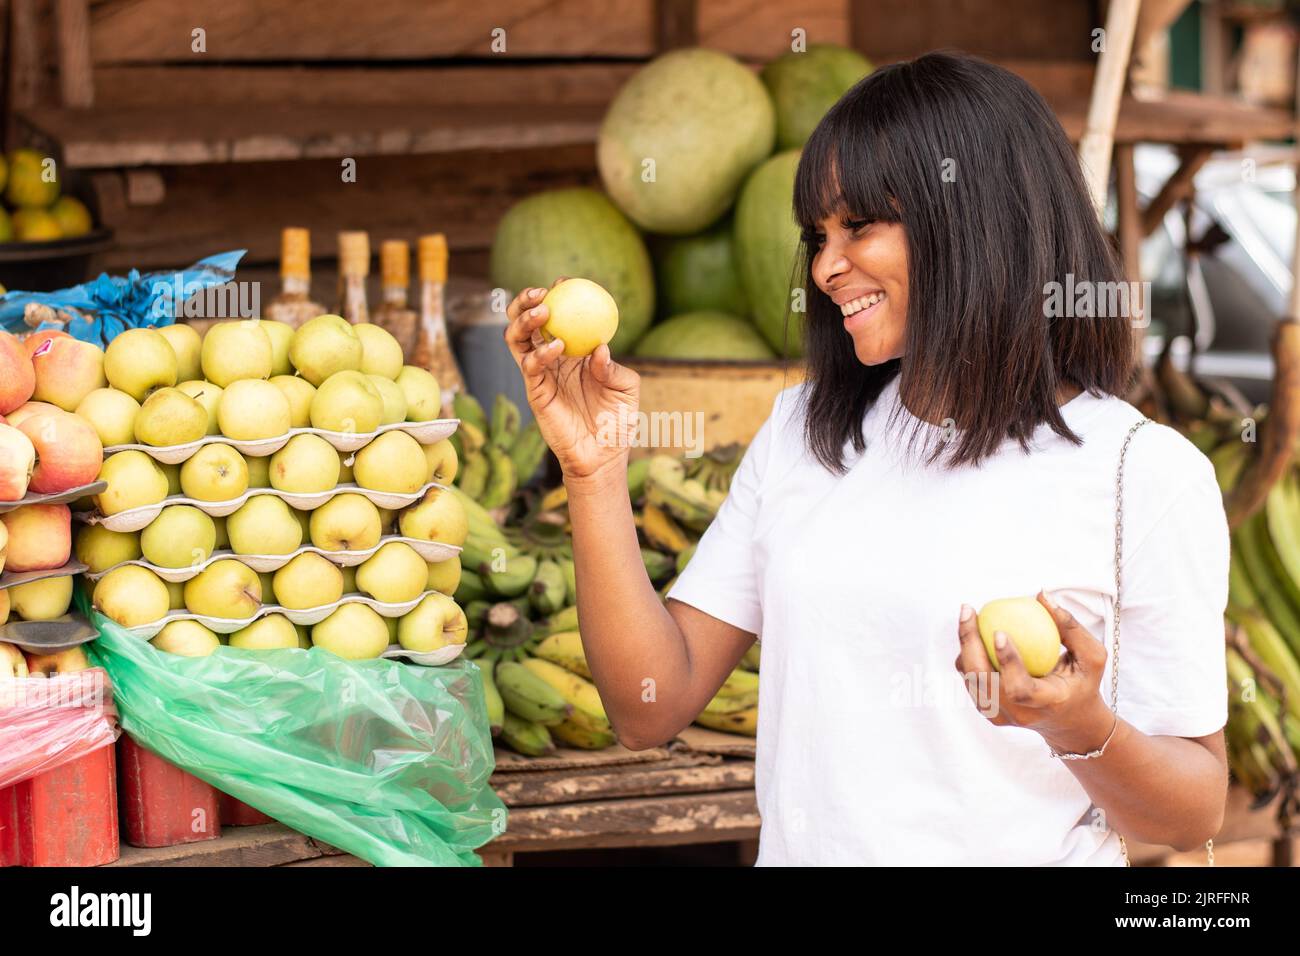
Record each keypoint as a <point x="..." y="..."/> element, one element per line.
<point x="109" y="138"/>
<point x="1183" y="118"/>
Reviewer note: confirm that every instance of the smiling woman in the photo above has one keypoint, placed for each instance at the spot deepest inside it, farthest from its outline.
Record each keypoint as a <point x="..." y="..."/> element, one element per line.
<point x="938" y="199"/>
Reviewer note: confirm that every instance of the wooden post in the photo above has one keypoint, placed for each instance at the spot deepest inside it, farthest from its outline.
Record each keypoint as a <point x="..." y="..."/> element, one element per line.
<point x="1107" y="90"/>
<point x="76" y="85"/>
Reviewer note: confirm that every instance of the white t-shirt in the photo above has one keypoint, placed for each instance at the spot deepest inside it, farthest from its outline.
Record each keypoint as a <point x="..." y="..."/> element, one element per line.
<point x="870" y="750"/>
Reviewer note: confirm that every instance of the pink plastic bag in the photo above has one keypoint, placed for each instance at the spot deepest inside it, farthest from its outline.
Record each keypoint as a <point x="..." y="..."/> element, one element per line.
<point x="46" y="722"/>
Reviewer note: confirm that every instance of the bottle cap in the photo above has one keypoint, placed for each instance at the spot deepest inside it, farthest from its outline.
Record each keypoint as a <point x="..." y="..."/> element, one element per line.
<point x="354" y="253"/>
<point x="433" y="258"/>
<point x="295" y="253"/>
<point x="395" y="263"/>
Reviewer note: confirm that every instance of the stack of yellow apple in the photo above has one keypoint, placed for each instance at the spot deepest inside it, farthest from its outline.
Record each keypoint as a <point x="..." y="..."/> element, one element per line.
<point x="45" y="450"/>
<point x="175" y="396"/>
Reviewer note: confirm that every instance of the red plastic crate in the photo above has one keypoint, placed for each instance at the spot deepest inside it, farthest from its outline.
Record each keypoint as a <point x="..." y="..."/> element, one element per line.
<point x="236" y="813"/>
<point x="162" y="805"/>
<point x="63" y="817"/>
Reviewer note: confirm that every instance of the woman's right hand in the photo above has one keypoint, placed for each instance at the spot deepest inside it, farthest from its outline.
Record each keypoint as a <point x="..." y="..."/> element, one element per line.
<point x="585" y="407"/>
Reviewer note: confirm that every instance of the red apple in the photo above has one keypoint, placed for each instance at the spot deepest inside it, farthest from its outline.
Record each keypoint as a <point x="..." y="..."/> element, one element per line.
<point x="17" y="377"/>
<point x="67" y="369"/>
<point x="64" y="662"/>
<point x="68" y="451"/>
<point x="33" y="341"/>
<point x="17" y="458"/>
<point x="40" y="537"/>
<point x="27" y="410"/>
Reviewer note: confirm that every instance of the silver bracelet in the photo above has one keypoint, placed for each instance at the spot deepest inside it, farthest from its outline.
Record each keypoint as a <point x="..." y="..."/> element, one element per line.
<point x="1093" y="753"/>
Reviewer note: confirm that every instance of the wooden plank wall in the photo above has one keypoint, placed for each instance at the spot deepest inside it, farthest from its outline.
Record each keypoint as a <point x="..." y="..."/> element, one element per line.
<point x="317" y="53"/>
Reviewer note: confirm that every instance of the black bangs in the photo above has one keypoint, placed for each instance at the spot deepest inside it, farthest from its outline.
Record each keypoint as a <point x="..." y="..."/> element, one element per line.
<point x="970" y="160"/>
<point x="850" y="137"/>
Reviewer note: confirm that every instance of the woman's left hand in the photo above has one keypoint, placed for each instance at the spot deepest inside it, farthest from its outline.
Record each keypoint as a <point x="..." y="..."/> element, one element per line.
<point x="1064" y="706"/>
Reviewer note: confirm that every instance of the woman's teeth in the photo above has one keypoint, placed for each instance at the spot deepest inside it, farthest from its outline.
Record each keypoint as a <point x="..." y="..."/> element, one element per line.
<point x="860" y="303"/>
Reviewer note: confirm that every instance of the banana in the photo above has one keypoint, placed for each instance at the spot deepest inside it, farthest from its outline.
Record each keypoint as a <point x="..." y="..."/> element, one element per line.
<point x="528" y="737"/>
<point x="750" y="660"/>
<point x="578" y="736"/>
<point x="1252" y="543"/>
<point x="636" y="476"/>
<point x="564" y="620"/>
<point x="476" y="613"/>
<point x="473" y="477"/>
<point x="514" y="579"/>
<point x="1282" y="518"/>
<point x="657" y="566"/>
<point x="743" y="722"/>
<point x="684" y="557"/>
<point x="565" y="649"/>
<point x="554" y="499"/>
<point x="1273" y="653"/>
<point x="528" y="451"/>
<point x="470" y="589"/>
<point x="457" y="445"/>
<point x="581" y="694"/>
<point x="472" y="437"/>
<point x="467" y="408"/>
<point x="477" y="551"/>
<point x="547" y="590"/>
<point x="721" y="704"/>
<point x="475" y="649"/>
<point x="502" y="480"/>
<point x="480" y="520"/>
<point x="685" y="499"/>
<point x="738" y="683"/>
<point x="504" y="426"/>
<point x="496" y="708"/>
<point x="528" y="696"/>
<point x="570" y="581"/>
<point x="1229" y="460"/>
<point x="661" y="531"/>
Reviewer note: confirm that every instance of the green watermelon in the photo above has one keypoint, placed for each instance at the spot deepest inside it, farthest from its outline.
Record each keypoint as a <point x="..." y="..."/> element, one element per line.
<point x="805" y="85"/>
<point x="704" y="335"/>
<point x="680" y="137"/>
<point x="767" y="247"/>
<point x="577" y="233"/>
<point x="698" y="272"/>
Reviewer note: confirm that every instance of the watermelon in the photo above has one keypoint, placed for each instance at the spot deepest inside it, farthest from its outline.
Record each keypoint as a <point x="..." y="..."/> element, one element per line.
<point x="698" y="272"/>
<point x="704" y="335"/>
<point x="767" y="249"/>
<point x="680" y="137"/>
<point x="577" y="233"/>
<point x="805" y="85"/>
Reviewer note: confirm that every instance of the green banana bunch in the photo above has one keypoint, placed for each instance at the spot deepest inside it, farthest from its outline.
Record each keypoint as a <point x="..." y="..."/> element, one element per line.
<point x="476" y="552"/>
<point x="526" y="736"/>
<point x="473" y="475"/>
<point x="715" y="468"/>
<point x="657" y="566"/>
<point x="481" y="523"/>
<point x="1254" y="548"/>
<point x="1272" y="652"/>
<point x="542" y="534"/>
<point x="743" y="722"/>
<point x="528" y="451"/>
<point x="496" y="708"/>
<point x="684" y="498"/>
<point x="467" y="408"/>
<point x="502" y="480"/>
<point x="504" y="427"/>
<point x="563" y="620"/>
<point x="505" y="634"/>
<point x="583" y="738"/>
<point x="684" y="557"/>
<point x="547" y="589"/>
<point x="637" y="471"/>
<point x="586" y="709"/>
<point x="528" y="696"/>
<point x="750" y="660"/>
<point x="570" y="581"/>
<point x="661" y="531"/>
<point x="470" y="589"/>
<point x="565" y="649"/>
<point x="513" y="579"/>
<point x="476" y="613"/>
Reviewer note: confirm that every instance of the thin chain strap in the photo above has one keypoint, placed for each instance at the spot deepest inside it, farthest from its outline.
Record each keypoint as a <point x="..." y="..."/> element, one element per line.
<point x="1114" y="650"/>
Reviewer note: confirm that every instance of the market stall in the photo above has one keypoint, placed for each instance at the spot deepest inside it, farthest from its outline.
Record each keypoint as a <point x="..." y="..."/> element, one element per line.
<point x="401" y="519"/>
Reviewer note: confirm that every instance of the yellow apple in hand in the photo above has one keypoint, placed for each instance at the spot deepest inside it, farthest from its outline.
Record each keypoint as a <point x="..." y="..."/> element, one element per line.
<point x="1030" y="628"/>
<point x="581" y="313"/>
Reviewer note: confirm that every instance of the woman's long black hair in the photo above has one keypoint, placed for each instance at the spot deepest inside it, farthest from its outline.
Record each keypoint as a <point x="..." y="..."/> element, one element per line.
<point x="970" y="159"/>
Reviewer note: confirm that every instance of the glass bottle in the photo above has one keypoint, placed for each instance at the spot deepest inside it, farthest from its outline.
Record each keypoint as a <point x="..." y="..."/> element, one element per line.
<point x="354" y="266"/>
<point x="433" y="346"/>
<point x="294" y="304"/>
<point x="395" y="279"/>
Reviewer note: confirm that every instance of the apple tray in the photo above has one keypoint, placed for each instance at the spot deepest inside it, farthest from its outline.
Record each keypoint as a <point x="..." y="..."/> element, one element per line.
<point x="9" y="579"/>
<point x="136" y="519"/>
<point x="307" y="617"/>
<point x="426" y="433"/>
<point x="431" y="551"/>
<point x="443" y="655"/>
<point x="57" y="498"/>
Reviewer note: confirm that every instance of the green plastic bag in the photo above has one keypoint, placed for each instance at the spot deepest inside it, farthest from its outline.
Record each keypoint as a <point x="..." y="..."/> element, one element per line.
<point x="386" y="760"/>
